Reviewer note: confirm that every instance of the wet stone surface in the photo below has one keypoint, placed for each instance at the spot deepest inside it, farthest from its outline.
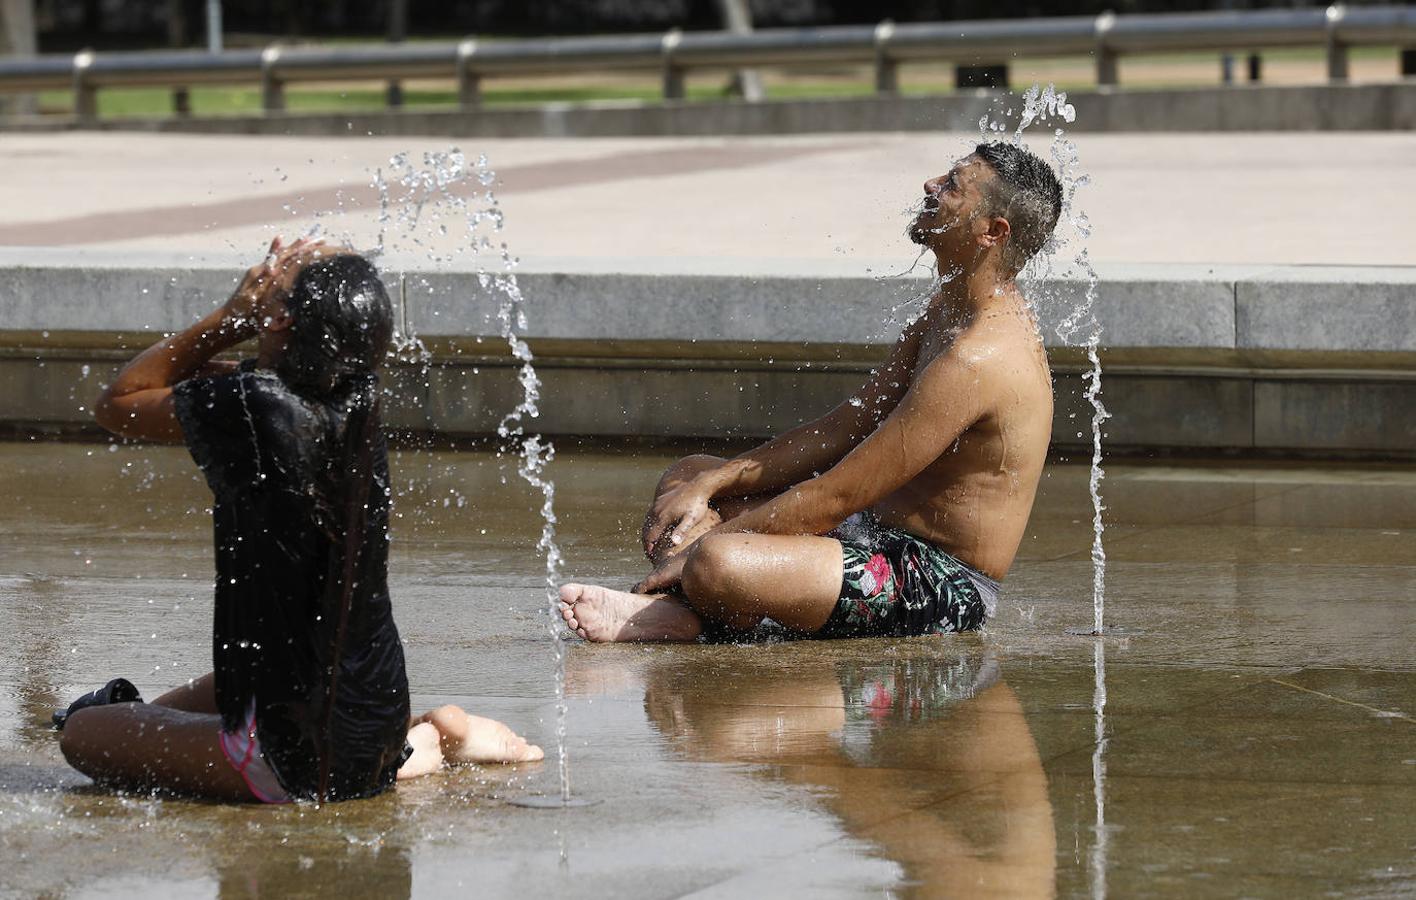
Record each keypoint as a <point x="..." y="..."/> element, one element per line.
<point x="1258" y="736"/>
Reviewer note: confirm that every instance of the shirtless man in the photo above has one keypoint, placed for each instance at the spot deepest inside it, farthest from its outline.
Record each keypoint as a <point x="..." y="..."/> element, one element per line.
<point x="898" y="512"/>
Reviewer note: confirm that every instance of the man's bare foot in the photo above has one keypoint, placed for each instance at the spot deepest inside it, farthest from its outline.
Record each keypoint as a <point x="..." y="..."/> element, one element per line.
<point x="600" y="614"/>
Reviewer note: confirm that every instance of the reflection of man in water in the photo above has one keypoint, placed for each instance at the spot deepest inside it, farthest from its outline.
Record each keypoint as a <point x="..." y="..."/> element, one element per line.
<point x="929" y="759"/>
<point x="898" y="511"/>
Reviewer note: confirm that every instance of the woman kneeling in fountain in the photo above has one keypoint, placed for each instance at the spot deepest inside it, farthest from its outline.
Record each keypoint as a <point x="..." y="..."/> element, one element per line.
<point x="308" y="698"/>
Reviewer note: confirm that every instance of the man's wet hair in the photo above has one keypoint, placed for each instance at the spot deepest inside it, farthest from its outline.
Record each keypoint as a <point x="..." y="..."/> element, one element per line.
<point x="343" y="322"/>
<point x="1026" y="193"/>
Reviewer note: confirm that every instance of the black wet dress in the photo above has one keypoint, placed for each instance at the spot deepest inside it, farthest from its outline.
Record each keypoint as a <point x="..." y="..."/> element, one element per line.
<point x="330" y="691"/>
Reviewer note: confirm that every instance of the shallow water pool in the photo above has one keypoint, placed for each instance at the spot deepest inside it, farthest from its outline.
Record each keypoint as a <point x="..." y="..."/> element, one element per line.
<point x="1250" y="730"/>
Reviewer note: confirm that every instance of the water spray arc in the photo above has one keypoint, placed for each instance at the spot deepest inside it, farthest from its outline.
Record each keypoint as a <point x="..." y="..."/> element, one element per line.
<point x="1041" y="105"/>
<point x="448" y="185"/>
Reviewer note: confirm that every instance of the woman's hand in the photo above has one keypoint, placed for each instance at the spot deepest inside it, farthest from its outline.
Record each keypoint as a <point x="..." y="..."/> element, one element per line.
<point x="138" y="403"/>
<point x="270" y="279"/>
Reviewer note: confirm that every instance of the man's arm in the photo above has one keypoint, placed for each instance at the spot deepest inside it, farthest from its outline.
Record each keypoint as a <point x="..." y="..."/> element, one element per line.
<point x="948" y="397"/>
<point x="794" y="456"/>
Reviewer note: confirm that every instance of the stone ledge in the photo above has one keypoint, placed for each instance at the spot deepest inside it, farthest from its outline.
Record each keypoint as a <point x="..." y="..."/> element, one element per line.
<point x="1296" y="310"/>
<point x="1294" y="360"/>
<point x="1227" y="311"/>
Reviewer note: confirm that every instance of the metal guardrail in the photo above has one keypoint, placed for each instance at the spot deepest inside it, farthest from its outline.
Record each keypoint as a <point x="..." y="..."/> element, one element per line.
<point x="885" y="46"/>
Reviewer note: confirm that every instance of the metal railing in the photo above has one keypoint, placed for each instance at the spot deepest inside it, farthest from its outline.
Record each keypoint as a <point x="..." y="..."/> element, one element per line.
<point x="885" y="46"/>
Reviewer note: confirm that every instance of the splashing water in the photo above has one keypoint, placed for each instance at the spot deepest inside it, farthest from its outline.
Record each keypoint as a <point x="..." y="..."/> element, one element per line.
<point x="448" y="185"/>
<point x="1043" y="105"/>
<point x="536" y="454"/>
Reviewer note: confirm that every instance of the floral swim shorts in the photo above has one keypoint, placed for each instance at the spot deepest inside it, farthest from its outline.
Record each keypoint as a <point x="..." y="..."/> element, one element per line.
<point x="896" y="584"/>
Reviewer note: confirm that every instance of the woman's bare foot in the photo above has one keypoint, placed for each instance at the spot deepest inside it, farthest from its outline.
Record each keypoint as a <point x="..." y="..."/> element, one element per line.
<point x="469" y="739"/>
<point x="600" y="614"/>
<point x="427" y="755"/>
<point x="489" y="741"/>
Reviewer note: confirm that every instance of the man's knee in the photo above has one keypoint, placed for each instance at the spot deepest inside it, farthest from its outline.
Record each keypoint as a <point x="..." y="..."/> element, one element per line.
<point x="689" y="466"/>
<point x="699" y="461"/>
<point x="709" y="566"/>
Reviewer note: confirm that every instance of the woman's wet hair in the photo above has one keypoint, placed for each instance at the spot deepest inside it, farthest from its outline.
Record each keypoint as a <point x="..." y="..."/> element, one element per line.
<point x="1026" y="193"/>
<point x="343" y="322"/>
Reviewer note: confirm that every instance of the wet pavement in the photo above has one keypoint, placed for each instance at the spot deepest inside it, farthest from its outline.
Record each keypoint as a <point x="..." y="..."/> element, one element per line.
<point x="1250" y="729"/>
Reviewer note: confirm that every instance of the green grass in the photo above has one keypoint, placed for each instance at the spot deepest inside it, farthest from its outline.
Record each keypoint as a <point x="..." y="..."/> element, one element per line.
<point x="212" y="101"/>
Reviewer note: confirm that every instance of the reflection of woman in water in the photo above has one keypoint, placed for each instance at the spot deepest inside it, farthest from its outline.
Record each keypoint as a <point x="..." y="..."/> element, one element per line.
<point x="309" y="698"/>
<point x="927" y="756"/>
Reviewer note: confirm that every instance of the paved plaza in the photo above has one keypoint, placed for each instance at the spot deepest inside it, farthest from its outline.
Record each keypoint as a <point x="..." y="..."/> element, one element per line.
<point x="1289" y="198"/>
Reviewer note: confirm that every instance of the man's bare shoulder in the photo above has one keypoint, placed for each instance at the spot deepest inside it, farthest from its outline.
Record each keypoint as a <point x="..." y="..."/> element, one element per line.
<point x="994" y="340"/>
<point x="998" y="356"/>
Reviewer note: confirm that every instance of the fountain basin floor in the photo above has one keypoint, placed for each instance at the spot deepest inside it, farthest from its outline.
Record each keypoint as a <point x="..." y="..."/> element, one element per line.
<point x="1258" y="736"/>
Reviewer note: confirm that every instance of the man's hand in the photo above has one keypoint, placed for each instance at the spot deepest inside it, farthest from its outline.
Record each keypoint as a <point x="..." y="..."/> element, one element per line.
<point x="665" y="577"/>
<point x="676" y="517"/>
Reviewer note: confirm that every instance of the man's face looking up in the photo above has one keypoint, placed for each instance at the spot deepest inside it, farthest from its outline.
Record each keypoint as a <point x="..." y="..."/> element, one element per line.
<point x="952" y="206"/>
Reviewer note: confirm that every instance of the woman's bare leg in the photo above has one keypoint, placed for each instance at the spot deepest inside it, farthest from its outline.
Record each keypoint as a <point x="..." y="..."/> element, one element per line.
<point x="197" y="695"/>
<point x="145" y="746"/>
<point x="732" y="579"/>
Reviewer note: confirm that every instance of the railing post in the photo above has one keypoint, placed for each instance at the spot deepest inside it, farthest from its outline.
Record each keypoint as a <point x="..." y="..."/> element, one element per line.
<point x="673" y="74"/>
<point x="1336" y="50"/>
<point x="887" y="70"/>
<point x="85" y="94"/>
<point x="272" y="91"/>
<point x="1106" y="68"/>
<point x="1408" y="62"/>
<point x="469" y="83"/>
<point x="1256" y="68"/>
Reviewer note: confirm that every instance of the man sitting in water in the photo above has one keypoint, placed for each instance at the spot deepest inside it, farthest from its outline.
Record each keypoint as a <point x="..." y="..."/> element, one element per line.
<point x="898" y="512"/>
<point x="309" y="698"/>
